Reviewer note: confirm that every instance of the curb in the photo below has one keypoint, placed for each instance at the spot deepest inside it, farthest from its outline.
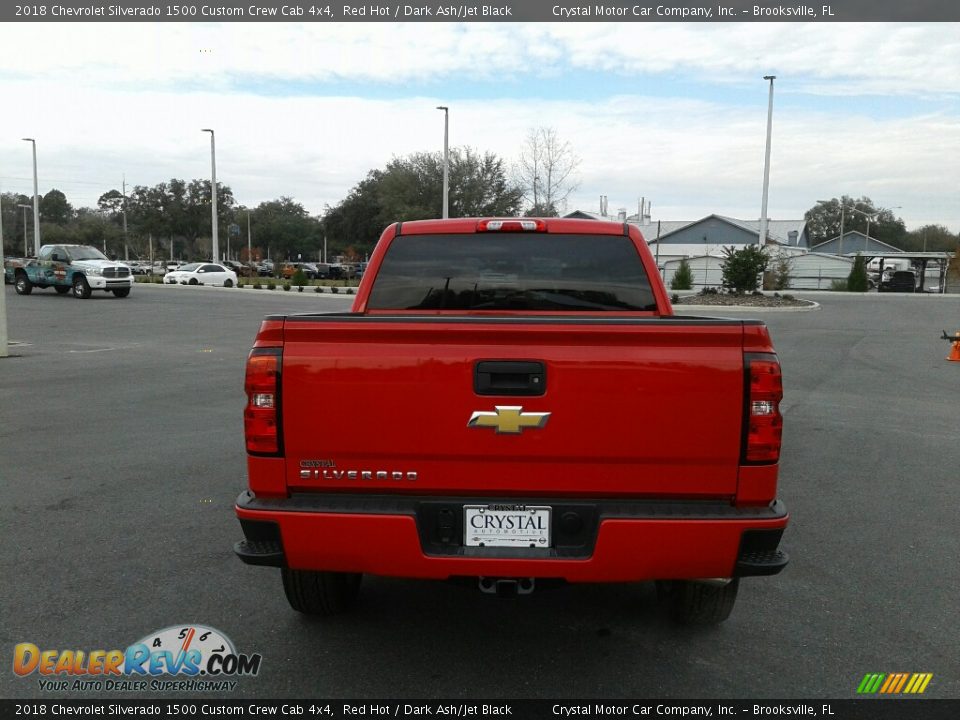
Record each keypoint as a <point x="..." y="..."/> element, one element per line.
<point x="720" y="309"/>
<point x="341" y="291"/>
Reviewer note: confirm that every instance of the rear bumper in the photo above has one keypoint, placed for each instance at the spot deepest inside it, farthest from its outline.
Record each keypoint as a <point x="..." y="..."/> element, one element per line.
<point x="595" y="540"/>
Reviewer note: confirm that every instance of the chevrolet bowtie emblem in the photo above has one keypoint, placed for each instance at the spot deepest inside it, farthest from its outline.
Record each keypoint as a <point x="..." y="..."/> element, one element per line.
<point x="508" y="419"/>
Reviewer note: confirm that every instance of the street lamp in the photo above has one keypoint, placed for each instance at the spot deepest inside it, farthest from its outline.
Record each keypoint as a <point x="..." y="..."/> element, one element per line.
<point x="36" y="200"/>
<point x="25" y="208"/>
<point x="213" y="192"/>
<point x="766" y="163"/>
<point x="446" y="158"/>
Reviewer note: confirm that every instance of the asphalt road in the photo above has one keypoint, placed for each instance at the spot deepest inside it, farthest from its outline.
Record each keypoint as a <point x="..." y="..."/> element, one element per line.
<point x="121" y="453"/>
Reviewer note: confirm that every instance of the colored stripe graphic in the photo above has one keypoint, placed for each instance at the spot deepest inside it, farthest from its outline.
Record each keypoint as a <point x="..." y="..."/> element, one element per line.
<point x="894" y="683"/>
<point x="870" y="683"/>
<point x="918" y="683"/>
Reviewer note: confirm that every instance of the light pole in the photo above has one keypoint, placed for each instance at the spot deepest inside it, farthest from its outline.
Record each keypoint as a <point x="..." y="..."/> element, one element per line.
<point x="126" y="244"/>
<point x="446" y="159"/>
<point x="766" y="164"/>
<point x="213" y="192"/>
<point x="36" y="200"/>
<point x="26" y="251"/>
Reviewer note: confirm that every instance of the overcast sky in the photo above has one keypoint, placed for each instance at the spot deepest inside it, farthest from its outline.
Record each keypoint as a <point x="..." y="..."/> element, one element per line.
<point x="672" y="112"/>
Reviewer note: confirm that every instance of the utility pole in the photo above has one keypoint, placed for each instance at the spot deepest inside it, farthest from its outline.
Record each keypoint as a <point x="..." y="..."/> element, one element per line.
<point x="446" y="160"/>
<point x="36" y="200"/>
<point x="4" y="351"/>
<point x="213" y="193"/>
<point x="126" y="245"/>
<point x="766" y="165"/>
<point x="249" y="243"/>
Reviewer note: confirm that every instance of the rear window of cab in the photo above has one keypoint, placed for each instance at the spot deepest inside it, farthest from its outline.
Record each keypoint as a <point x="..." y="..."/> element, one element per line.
<point x="512" y="271"/>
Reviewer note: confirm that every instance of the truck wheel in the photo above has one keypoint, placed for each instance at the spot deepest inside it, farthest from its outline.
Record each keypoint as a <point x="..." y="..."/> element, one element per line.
<point x="692" y="602"/>
<point x="22" y="284"/>
<point x="121" y="292"/>
<point x="81" y="288"/>
<point x="61" y="289"/>
<point x="320" y="593"/>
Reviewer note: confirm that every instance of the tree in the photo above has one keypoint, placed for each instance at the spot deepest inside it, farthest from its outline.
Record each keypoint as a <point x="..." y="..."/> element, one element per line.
<point x="777" y="275"/>
<point x="545" y="172"/>
<point x="683" y="278"/>
<point x="857" y="279"/>
<point x="55" y="209"/>
<point x="930" y="238"/>
<point x="359" y="218"/>
<point x="742" y="268"/>
<point x="823" y="221"/>
<point x="411" y="188"/>
<point x="286" y="228"/>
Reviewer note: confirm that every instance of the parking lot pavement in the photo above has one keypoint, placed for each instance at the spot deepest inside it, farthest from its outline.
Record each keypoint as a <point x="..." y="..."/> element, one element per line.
<point x="121" y="451"/>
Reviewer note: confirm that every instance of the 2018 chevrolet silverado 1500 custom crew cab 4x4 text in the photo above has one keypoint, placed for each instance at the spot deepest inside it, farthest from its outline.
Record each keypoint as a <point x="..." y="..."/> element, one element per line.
<point x="517" y="403"/>
<point x="77" y="268"/>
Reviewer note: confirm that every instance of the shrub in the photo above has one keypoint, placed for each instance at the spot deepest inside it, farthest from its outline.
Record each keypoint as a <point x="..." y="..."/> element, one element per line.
<point x="742" y="268"/>
<point x="777" y="276"/>
<point x="299" y="278"/>
<point x="286" y="287"/>
<point x="838" y="285"/>
<point x="317" y="288"/>
<point x="257" y="286"/>
<point x="857" y="280"/>
<point x="683" y="278"/>
<point x="271" y="285"/>
<point x="334" y="289"/>
<point x="674" y="298"/>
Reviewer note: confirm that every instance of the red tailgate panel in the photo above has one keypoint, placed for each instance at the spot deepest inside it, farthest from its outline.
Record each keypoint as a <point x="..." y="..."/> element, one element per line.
<point x="661" y="419"/>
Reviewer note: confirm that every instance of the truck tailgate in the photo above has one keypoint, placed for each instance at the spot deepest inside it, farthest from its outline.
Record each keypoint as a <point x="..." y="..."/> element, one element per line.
<point x="637" y="407"/>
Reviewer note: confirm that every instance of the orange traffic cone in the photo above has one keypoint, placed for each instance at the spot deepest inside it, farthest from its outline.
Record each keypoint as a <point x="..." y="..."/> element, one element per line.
<point x="955" y="349"/>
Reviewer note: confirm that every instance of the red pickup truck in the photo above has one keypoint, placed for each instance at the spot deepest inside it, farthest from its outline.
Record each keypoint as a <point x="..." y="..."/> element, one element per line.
<point x="514" y="402"/>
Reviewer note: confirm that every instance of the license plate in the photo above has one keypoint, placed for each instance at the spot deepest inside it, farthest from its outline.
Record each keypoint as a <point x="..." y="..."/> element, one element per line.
<point x="506" y="525"/>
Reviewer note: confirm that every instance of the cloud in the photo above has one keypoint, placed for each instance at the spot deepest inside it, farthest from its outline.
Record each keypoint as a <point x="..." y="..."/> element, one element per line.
<point x="848" y="58"/>
<point x="297" y="113"/>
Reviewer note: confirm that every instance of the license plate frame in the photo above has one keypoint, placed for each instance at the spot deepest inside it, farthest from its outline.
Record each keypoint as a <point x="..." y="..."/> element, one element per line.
<point x="506" y="525"/>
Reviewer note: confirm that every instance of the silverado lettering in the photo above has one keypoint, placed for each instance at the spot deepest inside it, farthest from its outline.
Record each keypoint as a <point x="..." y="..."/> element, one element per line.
<point x="659" y="461"/>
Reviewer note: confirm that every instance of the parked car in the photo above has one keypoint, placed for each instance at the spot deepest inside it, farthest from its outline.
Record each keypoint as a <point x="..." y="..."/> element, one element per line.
<point x="239" y="268"/>
<point x="202" y="274"/>
<point x="900" y="281"/>
<point x="329" y="271"/>
<point x="309" y="269"/>
<point x="265" y="268"/>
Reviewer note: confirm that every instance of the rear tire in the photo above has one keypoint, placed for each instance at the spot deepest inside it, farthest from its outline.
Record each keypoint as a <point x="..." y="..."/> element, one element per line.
<point x="193" y="281"/>
<point x="81" y="288"/>
<point x="228" y="283"/>
<point x="121" y="292"/>
<point x="22" y="284"/>
<point x="320" y="593"/>
<point x="61" y="289"/>
<point x="690" y="602"/>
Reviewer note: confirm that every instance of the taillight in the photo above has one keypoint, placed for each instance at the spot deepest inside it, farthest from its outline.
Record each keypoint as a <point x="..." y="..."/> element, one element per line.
<point x="261" y="417"/>
<point x="764" y="424"/>
<point x="512" y="226"/>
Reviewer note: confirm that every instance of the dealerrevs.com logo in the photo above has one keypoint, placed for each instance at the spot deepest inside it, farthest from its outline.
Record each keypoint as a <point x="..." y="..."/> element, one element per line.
<point x="179" y="657"/>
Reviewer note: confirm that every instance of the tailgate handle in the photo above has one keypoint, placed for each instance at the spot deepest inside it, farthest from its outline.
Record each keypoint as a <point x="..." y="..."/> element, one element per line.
<point x="510" y="377"/>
